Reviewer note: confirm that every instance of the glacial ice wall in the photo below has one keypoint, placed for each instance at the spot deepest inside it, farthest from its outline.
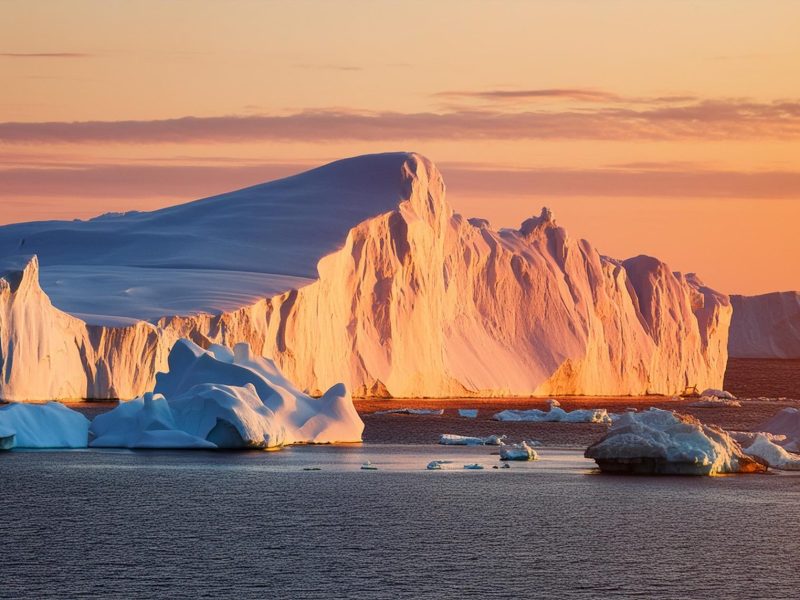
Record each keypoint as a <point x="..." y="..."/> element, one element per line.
<point x="416" y="301"/>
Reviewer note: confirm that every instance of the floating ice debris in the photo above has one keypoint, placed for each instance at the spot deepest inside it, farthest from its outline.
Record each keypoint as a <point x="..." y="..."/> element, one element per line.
<point x="437" y="465"/>
<point x="410" y="411"/>
<point x="660" y="442"/>
<point x="469" y="413"/>
<point x="368" y="466"/>
<point x="50" y="425"/>
<point x="521" y="451"/>
<point x="715" y="393"/>
<point x="715" y="402"/>
<point x="474" y="467"/>
<point x="773" y="454"/>
<point x="450" y="439"/>
<point x="555" y="415"/>
<point x="553" y="403"/>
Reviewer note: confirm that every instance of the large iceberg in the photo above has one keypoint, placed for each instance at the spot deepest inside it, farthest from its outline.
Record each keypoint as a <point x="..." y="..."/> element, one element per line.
<point x="223" y="398"/>
<point x="360" y="272"/>
<point x="661" y="442"/>
<point x="765" y="326"/>
<point x="50" y="425"/>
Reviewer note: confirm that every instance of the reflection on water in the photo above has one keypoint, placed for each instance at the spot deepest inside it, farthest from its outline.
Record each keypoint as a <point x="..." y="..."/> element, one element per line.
<point x="252" y="525"/>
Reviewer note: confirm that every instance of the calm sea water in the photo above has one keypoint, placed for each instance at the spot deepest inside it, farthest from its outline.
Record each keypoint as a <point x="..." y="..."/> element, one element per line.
<point x="253" y="525"/>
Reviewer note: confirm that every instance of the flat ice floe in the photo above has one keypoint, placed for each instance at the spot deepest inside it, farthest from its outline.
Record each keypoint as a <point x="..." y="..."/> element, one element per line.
<point x="661" y="442"/>
<point x="223" y="398"/>
<point x="451" y="439"/>
<point x="50" y="425"/>
<point x="410" y="411"/>
<point x="555" y="415"/>
<point x="715" y="402"/>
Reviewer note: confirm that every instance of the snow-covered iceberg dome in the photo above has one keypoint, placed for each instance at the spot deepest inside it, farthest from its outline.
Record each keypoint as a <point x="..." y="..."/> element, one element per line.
<point x="661" y="442"/>
<point x="223" y="398"/>
<point x="50" y="425"/>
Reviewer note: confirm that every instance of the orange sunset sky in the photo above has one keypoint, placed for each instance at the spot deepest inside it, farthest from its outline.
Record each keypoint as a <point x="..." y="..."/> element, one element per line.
<point x="663" y="127"/>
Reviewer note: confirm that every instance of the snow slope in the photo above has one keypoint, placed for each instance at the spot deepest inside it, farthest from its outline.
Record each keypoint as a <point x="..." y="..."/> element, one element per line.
<point x="765" y="326"/>
<point x="407" y="298"/>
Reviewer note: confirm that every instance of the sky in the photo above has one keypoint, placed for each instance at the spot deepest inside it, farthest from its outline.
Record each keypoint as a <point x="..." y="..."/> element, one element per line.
<point x="667" y="127"/>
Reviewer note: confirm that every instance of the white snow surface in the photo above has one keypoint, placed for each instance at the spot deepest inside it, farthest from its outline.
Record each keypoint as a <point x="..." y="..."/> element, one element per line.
<point x="555" y="414"/>
<point x="405" y="299"/>
<point x="786" y="422"/>
<point x="773" y="454"/>
<point x="715" y="393"/>
<point x="765" y="326"/>
<point x="679" y="444"/>
<point x="50" y="425"/>
<point x="223" y="398"/>
<point x="451" y="439"/>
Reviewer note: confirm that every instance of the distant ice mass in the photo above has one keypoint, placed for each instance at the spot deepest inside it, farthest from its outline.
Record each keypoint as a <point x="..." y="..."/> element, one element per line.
<point x="357" y="272"/>
<point x="223" y="398"/>
<point x="765" y="326"/>
<point x="555" y="414"/>
<point x="410" y="411"/>
<point x="50" y="425"/>
<point x="451" y="439"/>
<point x="469" y="413"/>
<point x="661" y="442"/>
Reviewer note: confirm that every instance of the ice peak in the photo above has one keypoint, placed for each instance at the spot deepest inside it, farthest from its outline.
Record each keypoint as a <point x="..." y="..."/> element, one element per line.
<point x="544" y="219"/>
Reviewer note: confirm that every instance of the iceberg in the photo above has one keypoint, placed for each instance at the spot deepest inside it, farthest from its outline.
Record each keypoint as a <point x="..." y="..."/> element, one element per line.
<point x="357" y="272"/>
<point x="661" y="442"/>
<point x="226" y="398"/>
<point x="50" y="425"/>
<point x="765" y="326"/>
<point x="773" y="454"/>
<point x="786" y="423"/>
<point x="521" y="451"/>
<point x="450" y="439"/>
<point x="555" y="415"/>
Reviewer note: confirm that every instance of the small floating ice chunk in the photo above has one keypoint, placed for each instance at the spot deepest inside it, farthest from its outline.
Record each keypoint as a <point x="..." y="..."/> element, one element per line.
<point x="469" y="413"/>
<point x="555" y="415"/>
<point x="715" y="393"/>
<point x="50" y="425"/>
<point x="450" y="439"/>
<point x="773" y="454"/>
<point x="368" y="466"/>
<point x="553" y="403"/>
<point x="437" y="465"/>
<point x="473" y="467"/>
<point x="715" y="402"/>
<point x="410" y="411"/>
<point x="521" y="451"/>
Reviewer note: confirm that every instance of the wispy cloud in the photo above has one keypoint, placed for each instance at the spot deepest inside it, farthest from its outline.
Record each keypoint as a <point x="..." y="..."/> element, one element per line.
<point x="583" y="95"/>
<point x="44" y="55"/>
<point x="705" y="120"/>
<point x="188" y="181"/>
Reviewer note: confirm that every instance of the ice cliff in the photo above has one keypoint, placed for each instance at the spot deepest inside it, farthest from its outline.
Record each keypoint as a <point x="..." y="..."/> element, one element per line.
<point x="765" y="326"/>
<point x="360" y="272"/>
